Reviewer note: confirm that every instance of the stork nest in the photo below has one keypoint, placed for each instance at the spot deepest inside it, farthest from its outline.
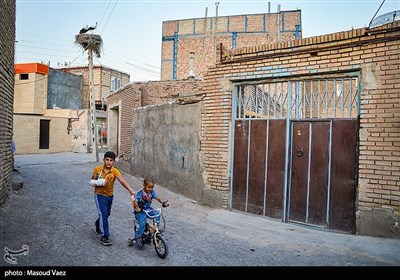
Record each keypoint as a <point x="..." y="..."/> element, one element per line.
<point x="90" y="41"/>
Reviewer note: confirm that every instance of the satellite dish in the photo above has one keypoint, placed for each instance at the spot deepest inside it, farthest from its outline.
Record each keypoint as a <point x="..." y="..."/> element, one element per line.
<point x="385" y="18"/>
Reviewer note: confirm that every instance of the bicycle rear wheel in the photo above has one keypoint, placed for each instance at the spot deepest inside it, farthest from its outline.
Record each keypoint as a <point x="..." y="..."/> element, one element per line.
<point x="161" y="246"/>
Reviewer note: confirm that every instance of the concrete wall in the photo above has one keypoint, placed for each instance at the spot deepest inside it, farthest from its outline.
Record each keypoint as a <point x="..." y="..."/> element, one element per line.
<point x="64" y="90"/>
<point x="375" y="54"/>
<point x="80" y="121"/>
<point x="166" y="146"/>
<point x="7" y="39"/>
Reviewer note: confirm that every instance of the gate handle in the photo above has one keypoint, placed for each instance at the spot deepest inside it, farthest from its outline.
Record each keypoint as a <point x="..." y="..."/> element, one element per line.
<point x="299" y="153"/>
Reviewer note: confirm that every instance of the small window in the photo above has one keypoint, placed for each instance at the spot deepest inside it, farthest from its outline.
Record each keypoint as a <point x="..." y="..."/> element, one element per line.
<point x="24" y="76"/>
<point x="115" y="83"/>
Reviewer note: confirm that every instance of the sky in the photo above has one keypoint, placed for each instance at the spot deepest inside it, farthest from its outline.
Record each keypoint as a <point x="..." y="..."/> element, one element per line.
<point x="131" y="30"/>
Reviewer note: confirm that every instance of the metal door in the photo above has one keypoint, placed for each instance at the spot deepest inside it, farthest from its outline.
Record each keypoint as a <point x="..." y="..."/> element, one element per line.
<point x="343" y="175"/>
<point x="309" y="184"/>
<point x="295" y="149"/>
<point x="259" y="167"/>
<point x="323" y="172"/>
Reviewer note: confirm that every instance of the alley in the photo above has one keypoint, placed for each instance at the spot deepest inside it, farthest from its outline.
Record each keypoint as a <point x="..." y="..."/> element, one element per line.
<point x="53" y="214"/>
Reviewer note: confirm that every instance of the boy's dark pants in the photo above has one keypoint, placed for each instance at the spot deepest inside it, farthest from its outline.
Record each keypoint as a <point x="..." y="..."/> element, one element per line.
<point x="103" y="204"/>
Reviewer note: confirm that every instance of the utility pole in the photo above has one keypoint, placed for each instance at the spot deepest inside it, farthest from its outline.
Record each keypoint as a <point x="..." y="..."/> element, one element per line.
<point x="93" y="122"/>
<point x="91" y="43"/>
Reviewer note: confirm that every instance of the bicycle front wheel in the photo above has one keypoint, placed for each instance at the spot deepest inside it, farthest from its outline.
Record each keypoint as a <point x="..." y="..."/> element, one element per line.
<point x="161" y="228"/>
<point x="161" y="246"/>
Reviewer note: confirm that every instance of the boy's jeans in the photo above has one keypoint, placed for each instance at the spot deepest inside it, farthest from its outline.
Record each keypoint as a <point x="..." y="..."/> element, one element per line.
<point x="140" y="221"/>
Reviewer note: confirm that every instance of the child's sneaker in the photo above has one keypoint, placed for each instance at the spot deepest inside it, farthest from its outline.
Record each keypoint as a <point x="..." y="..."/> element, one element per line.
<point x="139" y="242"/>
<point x="96" y="229"/>
<point x="105" y="241"/>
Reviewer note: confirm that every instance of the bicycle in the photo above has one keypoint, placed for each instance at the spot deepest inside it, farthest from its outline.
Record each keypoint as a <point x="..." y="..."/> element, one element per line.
<point x="153" y="233"/>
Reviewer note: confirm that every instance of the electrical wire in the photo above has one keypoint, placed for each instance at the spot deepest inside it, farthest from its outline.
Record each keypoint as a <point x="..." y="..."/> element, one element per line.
<point x="104" y="13"/>
<point x="109" y="16"/>
<point x="147" y="69"/>
<point x="369" y="25"/>
<point x="102" y="7"/>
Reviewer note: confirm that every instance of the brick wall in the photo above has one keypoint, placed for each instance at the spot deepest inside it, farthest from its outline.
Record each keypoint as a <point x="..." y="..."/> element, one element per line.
<point x="7" y="29"/>
<point x="376" y="56"/>
<point x="124" y="100"/>
<point x="202" y="35"/>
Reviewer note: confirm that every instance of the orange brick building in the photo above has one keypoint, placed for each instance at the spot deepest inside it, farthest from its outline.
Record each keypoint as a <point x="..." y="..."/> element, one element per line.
<point x="201" y="36"/>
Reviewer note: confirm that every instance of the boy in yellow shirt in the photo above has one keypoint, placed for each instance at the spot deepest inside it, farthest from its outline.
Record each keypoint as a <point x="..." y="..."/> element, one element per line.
<point x="103" y="179"/>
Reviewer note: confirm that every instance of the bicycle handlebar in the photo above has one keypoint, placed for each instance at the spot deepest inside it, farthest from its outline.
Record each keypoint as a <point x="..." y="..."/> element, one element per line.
<point x="164" y="202"/>
<point x="158" y="210"/>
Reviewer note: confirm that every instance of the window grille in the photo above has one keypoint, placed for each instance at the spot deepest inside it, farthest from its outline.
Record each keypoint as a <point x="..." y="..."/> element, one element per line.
<point x="302" y="99"/>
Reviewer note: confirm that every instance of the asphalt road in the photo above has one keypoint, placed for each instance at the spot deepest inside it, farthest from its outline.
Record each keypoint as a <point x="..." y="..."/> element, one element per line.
<point x="54" y="212"/>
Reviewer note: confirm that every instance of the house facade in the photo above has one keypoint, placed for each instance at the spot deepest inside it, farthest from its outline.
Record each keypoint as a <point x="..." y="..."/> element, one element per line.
<point x="47" y="111"/>
<point x="198" y="38"/>
<point x="307" y="131"/>
<point x="51" y="107"/>
<point x="105" y="81"/>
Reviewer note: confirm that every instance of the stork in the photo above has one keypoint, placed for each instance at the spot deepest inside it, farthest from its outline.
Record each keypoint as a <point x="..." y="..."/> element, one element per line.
<point x="86" y="29"/>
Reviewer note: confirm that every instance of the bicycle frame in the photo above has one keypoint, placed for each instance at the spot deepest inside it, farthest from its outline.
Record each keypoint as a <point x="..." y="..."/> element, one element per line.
<point x="152" y="232"/>
<point x="153" y="227"/>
